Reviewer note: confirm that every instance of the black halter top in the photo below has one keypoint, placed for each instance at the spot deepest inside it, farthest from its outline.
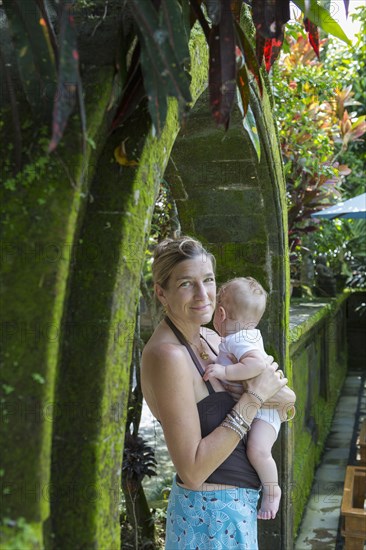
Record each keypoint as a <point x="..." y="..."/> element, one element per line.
<point x="236" y="469"/>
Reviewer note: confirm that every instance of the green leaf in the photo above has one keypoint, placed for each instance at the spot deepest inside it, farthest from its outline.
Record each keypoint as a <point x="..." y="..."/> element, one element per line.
<point x="242" y="81"/>
<point x="34" y="54"/>
<point x="250" y="126"/>
<point x="38" y="378"/>
<point x="158" y="47"/>
<point x="155" y="92"/>
<point x="322" y="18"/>
<point x="249" y="55"/>
<point x="171" y="17"/>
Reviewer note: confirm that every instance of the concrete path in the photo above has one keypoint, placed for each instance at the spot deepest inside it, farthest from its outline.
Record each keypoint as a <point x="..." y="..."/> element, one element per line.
<point x="321" y="523"/>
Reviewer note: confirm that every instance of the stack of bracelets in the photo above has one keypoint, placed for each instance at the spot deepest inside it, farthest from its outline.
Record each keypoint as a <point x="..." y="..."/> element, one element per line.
<point x="236" y="422"/>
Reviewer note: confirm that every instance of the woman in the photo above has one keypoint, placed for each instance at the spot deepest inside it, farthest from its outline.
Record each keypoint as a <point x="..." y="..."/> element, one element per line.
<point x="213" y="499"/>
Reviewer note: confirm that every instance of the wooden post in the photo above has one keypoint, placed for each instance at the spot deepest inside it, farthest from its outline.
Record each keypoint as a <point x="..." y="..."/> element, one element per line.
<point x="352" y="510"/>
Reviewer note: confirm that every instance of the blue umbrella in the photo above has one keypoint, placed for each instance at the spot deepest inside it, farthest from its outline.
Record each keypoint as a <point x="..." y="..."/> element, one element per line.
<point x="353" y="208"/>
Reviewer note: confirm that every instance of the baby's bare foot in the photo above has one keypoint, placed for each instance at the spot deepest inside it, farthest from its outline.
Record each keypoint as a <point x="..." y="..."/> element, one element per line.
<point x="270" y="501"/>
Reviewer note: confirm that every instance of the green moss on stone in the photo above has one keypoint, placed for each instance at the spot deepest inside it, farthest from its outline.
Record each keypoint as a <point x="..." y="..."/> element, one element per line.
<point x="314" y="411"/>
<point x="39" y="224"/>
<point x="104" y="290"/>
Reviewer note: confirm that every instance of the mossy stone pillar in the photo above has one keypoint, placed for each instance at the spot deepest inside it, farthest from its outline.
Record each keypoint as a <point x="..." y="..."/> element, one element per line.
<point x="93" y="374"/>
<point x="40" y="216"/>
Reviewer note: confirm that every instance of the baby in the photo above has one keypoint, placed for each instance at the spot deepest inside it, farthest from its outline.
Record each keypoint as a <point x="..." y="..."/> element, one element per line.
<point x="241" y="304"/>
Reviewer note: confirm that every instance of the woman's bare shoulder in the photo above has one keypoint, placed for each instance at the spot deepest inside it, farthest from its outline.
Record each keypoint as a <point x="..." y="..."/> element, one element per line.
<point x="158" y="358"/>
<point x="164" y="371"/>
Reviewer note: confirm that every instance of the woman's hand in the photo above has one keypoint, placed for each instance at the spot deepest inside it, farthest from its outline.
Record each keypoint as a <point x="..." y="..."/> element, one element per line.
<point x="235" y="390"/>
<point x="269" y="382"/>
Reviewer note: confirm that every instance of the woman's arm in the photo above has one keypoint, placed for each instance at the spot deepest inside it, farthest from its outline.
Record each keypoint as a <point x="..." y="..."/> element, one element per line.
<point x="167" y="381"/>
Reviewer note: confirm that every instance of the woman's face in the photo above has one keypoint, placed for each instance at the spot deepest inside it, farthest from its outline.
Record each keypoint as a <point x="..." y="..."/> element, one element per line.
<point x="191" y="292"/>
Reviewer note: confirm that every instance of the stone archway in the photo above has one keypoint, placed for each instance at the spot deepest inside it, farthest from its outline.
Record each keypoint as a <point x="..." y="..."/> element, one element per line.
<point x="236" y="206"/>
<point x="90" y="297"/>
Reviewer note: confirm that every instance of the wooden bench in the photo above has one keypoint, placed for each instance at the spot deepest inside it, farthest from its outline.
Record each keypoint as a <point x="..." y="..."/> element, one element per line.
<point x="352" y="510"/>
<point x="363" y="443"/>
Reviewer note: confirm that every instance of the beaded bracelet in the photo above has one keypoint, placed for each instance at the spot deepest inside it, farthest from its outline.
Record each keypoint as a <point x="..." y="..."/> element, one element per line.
<point x="255" y="395"/>
<point x="240" y="419"/>
<point x="235" y="427"/>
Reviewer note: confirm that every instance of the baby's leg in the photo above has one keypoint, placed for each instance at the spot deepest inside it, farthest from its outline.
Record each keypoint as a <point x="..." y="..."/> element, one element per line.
<point x="260" y="441"/>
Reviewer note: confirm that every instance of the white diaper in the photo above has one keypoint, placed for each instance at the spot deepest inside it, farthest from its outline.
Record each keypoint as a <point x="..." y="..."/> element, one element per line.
<point x="270" y="416"/>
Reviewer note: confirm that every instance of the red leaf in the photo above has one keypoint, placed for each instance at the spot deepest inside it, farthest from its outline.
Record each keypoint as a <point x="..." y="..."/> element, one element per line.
<point x="313" y="35"/>
<point x="272" y="48"/>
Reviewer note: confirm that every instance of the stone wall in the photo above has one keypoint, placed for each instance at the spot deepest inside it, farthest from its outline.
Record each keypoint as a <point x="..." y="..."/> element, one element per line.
<point x="318" y="352"/>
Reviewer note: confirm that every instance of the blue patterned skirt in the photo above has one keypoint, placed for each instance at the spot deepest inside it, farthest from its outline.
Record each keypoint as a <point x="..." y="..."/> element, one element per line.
<point x="205" y="520"/>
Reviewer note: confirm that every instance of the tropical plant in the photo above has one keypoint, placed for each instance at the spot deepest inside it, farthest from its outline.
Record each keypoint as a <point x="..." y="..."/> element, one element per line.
<point x="138" y="462"/>
<point x="39" y="38"/>
<point x="350" y="66"/>
<point x="356" y="255"/>
<point x="315" y="129"/>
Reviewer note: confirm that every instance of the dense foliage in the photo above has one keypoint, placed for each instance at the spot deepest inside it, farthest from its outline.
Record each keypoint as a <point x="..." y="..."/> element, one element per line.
<point x="320" y="123"/>
<point x="39" y="48"/>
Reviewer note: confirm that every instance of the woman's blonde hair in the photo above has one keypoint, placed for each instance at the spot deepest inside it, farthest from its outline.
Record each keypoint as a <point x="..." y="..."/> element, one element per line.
<point x="170" y="252"/>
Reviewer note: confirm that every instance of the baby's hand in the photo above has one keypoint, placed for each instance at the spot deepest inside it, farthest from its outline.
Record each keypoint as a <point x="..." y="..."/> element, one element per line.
<point x="214" y="371"/>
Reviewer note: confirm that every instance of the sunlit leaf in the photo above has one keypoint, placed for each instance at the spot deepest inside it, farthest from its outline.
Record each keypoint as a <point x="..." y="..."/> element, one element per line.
<point x="322" y="18"/>
<point x="120" y="154"/>
<point x="272" y="48"/>
<point x="250" y="126"/>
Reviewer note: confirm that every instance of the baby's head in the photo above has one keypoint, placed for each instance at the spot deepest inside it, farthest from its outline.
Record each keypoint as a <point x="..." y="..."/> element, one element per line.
<point x="241" y="303"/>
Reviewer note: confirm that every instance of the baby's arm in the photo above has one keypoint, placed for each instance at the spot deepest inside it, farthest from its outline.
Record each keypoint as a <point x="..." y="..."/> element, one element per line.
<point x="250" y="365"/>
